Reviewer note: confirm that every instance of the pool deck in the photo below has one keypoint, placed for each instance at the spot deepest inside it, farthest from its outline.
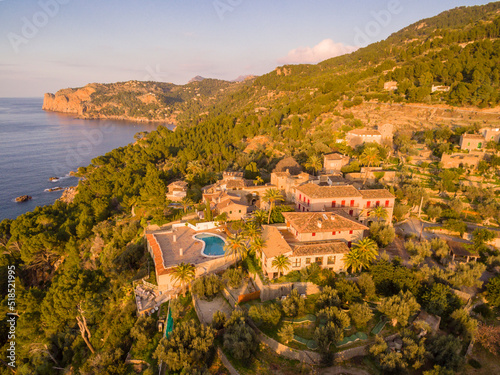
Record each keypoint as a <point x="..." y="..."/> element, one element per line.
<point x="191" y="248"/>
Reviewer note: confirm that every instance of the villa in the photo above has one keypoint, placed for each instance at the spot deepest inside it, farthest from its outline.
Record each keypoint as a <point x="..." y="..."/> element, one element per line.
<point x="333" y="163"/>
<point x="357" y="137"/>
<point x="234" y="206"/>
<point x="177" y="190"/>
<point x="310" y="237"/>
<point x="201" y="246"/>
<point x="491" y="134"/>
<point x="357" y="203"/>
<point x="472" y="142"/>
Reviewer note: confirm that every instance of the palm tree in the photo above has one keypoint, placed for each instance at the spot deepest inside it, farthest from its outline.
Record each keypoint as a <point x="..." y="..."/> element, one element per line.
<point x="380" y="213"/>
<point x="186" y="203"/>
<point x="258" y="180"/>
<point x="259" y="216"/>
<point x="282" y="263"/>
<point x="368" y="251"/>
<point x="369" y="157"/>
<point x="257" y="245"/>
<point x="272" y="196"/>
<point x="352" y="260"/>
<point x="183" y="274"/>
<point x="251" y="231"/>
<point x="314" y="163"/>
<point x="236" y="246"/>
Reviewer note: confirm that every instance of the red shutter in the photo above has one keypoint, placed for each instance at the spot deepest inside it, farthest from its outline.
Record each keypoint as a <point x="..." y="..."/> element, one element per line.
<point x="387" y="203"/>
<point x="368" y="204"/>
<point x="333" y="203"/>
<point x="352" y="203"/>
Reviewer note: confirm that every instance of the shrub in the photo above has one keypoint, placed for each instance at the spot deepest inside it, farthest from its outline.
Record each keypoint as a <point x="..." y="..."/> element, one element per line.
<point x="286" y="333"/>
<point x="328" y="297"/>
<point x="366" y="285"/>
<point x="218" y="320"/>
<point x="239" y="338"/>
<point x="382" y="234"/>
<point x="234" y="277"/>
<point x="265" y="315"/>
<point x="293" y="305"/>
<point x="207" y="287"/>
<point x="360" y="314"/>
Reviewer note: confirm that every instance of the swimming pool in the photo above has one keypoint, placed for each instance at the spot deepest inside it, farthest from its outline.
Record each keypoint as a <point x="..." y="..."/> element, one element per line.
<point x="213" y="245"/>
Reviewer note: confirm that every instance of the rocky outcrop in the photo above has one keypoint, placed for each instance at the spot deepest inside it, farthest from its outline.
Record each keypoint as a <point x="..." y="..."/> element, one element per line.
<point x="23" y="198"/>
<point x="69" y="194"/>
<point x="72" y="101"/>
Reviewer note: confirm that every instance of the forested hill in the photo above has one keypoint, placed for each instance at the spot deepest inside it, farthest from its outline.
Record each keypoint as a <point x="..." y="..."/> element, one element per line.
<point x="78" y="259"/>
<point x="458" y="48"/>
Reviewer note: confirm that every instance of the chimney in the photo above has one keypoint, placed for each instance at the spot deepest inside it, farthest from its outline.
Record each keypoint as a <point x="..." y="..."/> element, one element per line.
<point x="332" y="217"/>
<point x="319" y="223"/>
<point x="175" y="238"/>
<point x="181" y="252"/>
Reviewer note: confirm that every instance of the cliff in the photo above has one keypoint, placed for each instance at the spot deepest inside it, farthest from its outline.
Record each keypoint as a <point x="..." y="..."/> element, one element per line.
<point x="69" y="100"/>
<point x="136" y="100"/>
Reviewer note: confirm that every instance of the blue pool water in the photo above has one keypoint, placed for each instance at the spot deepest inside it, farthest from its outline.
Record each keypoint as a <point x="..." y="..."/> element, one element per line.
<point x="214" y="245"/>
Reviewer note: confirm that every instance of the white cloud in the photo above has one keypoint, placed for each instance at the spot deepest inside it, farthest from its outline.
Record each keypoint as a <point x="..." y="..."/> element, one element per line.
<point x="324" y="50"/>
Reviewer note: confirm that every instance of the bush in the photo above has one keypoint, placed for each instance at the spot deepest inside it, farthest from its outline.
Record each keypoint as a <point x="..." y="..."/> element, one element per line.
<point x="293" y="305"/>
<point x="328" y="297"/>
<point x="484" y="310"/>
<point x="207" y="287"/>
<point x="360" y="314"/>
<point x="239" y="338"/>
<point x="286" y="333"/>
<point x="348" y="291"/>
<point x="262" y="315"/>
<point x="366" y="285"/>
<point x="234" y="277"/>
<point x="218" y="320"/>
<point x="382" y="234"/>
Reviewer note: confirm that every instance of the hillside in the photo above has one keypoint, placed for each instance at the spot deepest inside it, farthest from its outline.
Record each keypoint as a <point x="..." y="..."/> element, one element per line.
<point x="139" y="101"/>
<point x="458" y="48"/>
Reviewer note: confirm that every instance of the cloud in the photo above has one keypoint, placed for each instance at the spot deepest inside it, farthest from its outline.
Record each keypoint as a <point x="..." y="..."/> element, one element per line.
<point x="324" y="50"/>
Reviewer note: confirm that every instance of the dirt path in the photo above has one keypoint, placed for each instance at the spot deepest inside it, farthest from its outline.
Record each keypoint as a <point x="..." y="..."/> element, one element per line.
<point x="339" y="370"/>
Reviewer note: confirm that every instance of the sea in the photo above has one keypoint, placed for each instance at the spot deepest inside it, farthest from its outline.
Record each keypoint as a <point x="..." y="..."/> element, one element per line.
<point x="36" y="145"/>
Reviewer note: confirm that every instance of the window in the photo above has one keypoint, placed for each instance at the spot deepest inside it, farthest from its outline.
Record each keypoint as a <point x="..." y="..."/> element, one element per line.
<point x="349" y="244"/>
<point x="230" y="212"/>
<point x="239" y="211"/>
<point x="308" y="261"/>
<point x="308" y="201"/>
<point x="343" y="203"/>
<point x="377" y="204"/>
<point x="352" y="203"/>
<point x="331" y="259"/>
<point x="468" y="144"/>
<point x="296" y="262"/>
<point x="350" y="232"/>
<point x="319" y="260"/>
<point x="314" y="234"/>
<point x="368" y="204"/>
<point x="300" y="197"/>
<point x="333" y="233"/>
<point x="387" y="203"/>
<point x="351" y="212"/>
<point x="334" y="203"/>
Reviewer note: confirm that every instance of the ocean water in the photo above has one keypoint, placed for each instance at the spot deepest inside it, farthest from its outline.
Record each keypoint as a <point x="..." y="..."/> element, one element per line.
<point x="36" y="145"/>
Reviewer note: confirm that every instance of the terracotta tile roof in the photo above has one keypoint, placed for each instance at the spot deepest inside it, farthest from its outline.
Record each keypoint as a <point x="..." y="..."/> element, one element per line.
<point x="376" y="193"/>
<point x="335" y="156"/>
<point x="237" y="184"/>
<point x="362" y="132"/>
<point x="178" y="184"/>
<point x="275" y="244"/>
<point x="157" y="255"/>
<point x="320" y="248"/>
<point x="315" y="191"/>
<point x="311" y="222"/>
<point x="473" y="136"/>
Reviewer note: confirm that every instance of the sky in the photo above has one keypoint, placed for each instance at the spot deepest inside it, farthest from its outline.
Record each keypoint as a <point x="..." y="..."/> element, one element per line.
<point x="47" y="45"/>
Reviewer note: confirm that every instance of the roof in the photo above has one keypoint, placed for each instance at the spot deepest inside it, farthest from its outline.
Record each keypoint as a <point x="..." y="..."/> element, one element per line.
<point x="473" y="136"/>
<point x="335" y="156"/>
<point x="312" y="222"/>
<point x="232" y="174"/>
<point x="178" y="184"/>
<point x="315" y="191"/>
<point x="275" y="244"/>
<point x="320" y="248"/>
<point x="458" y="249"/>
<point x="362" y="132"/>
<point x="376" y="193"/>
<point x="234" y="184"/>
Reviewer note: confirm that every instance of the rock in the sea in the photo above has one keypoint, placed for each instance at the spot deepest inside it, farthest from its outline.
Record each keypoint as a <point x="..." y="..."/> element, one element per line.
<point x="23" y="198"/>
<point x="54" y="179"/>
